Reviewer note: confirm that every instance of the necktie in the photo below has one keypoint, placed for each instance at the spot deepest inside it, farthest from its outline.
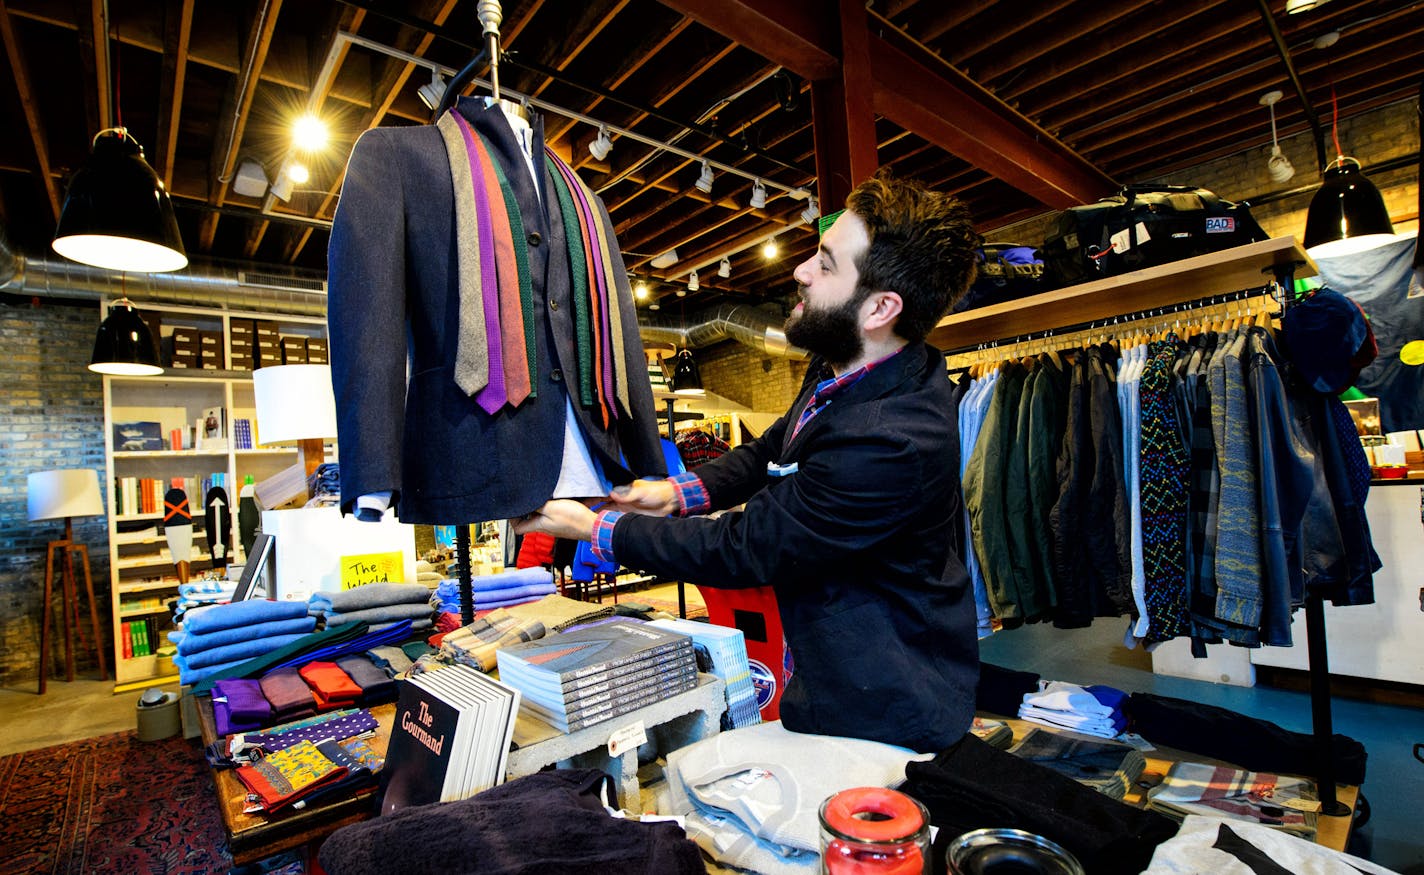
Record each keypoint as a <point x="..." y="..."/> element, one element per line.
<point x="492" y="397"/>
<point x="472" y="351"/>
<point x="514" y="361"/>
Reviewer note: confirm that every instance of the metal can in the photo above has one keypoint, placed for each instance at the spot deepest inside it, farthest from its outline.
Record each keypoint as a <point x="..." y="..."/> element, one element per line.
<point x="990" y="851"/>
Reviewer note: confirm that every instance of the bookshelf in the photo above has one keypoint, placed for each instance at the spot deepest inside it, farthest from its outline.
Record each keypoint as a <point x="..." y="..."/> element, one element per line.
<point x="143" y="578"/>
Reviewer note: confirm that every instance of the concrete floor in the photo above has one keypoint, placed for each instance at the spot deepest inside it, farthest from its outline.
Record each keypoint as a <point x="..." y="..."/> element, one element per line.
<point x="66" y="712"/>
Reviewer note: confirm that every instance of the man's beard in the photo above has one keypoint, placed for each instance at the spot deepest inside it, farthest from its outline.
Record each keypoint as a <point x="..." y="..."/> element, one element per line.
<point x="830" y="332"/>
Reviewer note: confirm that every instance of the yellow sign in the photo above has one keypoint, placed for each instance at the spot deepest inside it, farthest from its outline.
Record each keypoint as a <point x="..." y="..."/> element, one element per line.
<point x="1412" y="353"/>
<point x="371" y="568"/>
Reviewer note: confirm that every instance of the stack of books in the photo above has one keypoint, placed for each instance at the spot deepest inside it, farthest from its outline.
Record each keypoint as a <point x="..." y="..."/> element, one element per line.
<point x="727" y="653"/>
<point x="589" y="674"/>
<point x="1278" y="801"/>
<point x="450" y="738"/>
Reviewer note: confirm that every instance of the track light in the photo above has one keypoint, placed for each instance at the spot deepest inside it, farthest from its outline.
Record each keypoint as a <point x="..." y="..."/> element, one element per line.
<point x="812" y="212"/>
<point x="433" y="91"/>
<point x="724" y="268"/>
<point x="250" y="180"/>
<point x="1296" y="6"/>
<point x="666" y="259"/>
<point x="601" y="145"/>
<point x="758" y="195"/>
<point x="769" y="249"/>
<point x="640" y="290"/>
<point x="292" y="175"/>
<point x="692" y="283"/>
<point x="704" y="181"/>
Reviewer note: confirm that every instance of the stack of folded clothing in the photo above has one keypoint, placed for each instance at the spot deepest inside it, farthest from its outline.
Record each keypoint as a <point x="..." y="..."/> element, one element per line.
<point x="239" y="706"/>
<point x="376" y="685"/>
<point x="497" y="590"/>
<point x="222" y="636"/>
<point x="475" y="645"/>
<point x="288" y="693"/>
<point x="1095" y="710"/>
<point x="377" y="604"/>
<point x="324" y="486"/>
<point x="201" y="593"/>
<point x="332" y="687"/>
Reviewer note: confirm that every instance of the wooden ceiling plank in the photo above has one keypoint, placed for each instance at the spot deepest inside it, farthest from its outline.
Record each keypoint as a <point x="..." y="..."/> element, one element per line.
<point x="951" y="15"/>
<point x="1098" y="16"/>
<point x="578" y="39"/>
<point x="28" y="103"/>
<point x="177" y="30"/>
<point x="633" y="61"/>
<point x="1092" y="53"/>
<point x="796" y="34"/>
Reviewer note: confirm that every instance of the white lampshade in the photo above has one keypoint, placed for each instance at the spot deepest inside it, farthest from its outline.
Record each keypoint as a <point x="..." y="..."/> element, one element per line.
<point x="294" y="403"/>
<point x="58" y="494"/>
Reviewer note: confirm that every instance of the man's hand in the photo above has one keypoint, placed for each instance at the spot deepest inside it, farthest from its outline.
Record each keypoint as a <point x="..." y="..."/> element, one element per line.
<point x="562" y="518"/>
<point x="648" y="497"/>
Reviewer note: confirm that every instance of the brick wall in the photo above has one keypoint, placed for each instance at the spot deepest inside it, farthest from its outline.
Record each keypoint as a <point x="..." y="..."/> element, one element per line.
<point x="765" y="383"/>
<point x="51" y="416"/>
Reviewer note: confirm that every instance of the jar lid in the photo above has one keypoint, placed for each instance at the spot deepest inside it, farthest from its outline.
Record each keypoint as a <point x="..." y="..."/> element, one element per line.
<point x="873" y="814"/>
<point x="984" y="851"/>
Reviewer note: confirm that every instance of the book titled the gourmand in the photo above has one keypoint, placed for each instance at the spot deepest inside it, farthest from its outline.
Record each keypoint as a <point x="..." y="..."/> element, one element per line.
<point x="450" y="738"/>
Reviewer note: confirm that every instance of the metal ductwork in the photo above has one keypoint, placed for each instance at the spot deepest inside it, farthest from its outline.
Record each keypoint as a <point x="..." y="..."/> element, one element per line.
<point x="740" y="322"/>
<point x="257" y="289"/>
<point x="303" y="293"/>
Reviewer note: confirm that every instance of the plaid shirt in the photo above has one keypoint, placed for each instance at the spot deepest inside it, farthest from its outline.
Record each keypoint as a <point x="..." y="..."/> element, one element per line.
<point x="692" y="495"/>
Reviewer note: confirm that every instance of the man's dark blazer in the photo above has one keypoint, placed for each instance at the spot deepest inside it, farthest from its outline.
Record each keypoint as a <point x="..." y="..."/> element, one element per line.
<point x="394" y="306"/>
<point x="858" y="543"/>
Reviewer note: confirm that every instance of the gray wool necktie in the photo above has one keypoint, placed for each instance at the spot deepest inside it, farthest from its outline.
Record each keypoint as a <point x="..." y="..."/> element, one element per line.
<point x="472" y="350"/>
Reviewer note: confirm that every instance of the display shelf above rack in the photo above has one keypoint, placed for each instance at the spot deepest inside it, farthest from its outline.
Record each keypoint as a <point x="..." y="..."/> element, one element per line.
<point x="1217" y="273"/>
<point x="148" y="585"/>
<point x="125" y="614"/>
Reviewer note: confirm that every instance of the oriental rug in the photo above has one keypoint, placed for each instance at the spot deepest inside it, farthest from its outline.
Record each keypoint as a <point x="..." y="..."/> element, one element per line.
<point x="110" y="804"/>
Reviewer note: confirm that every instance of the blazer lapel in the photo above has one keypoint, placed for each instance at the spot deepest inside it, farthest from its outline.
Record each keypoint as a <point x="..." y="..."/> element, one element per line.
<point x="881" y="381"/>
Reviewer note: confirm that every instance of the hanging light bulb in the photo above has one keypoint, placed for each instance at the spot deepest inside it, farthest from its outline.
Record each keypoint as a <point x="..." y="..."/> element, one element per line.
<point x="769" y="249"/>
<point x="640" y="290"/>
<point x="1278" y="166"/>
<point x="309" y="133"/>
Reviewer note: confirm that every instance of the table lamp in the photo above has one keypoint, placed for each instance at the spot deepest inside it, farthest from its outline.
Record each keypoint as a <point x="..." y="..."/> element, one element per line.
<point x="295" y="405"/>
<point x="65" y="494"/>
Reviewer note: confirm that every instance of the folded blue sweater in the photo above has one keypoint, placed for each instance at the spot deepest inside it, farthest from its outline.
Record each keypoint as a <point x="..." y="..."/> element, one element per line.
<point x="235" y="614"/>
<point x="196" y="642"/>
<point x="371" y="595"/>
<point x="239" y="650"/>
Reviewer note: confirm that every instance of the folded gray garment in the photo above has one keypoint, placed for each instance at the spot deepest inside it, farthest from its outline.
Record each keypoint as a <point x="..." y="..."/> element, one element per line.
<point x="369" y="596"/>
<point x="382" y="614"/>
<point x="393" y="659"/>
<point x="417" y="626"/>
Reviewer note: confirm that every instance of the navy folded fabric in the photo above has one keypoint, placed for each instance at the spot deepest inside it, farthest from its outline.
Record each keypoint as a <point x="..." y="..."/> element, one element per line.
<point x="375" y="684"/>
<point x="235" y="614"/>
<point x="194" y="642"/>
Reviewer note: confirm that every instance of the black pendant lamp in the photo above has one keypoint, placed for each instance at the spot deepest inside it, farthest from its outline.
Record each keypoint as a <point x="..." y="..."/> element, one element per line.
<point x="117" y="214"/>
<point x="124" y="346"/>
<point x="1346" y="208"/>
<point x="686" y="379"/>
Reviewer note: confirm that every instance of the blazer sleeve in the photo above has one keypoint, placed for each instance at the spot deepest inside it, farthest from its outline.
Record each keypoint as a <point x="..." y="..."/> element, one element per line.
<point x="855" y="490"/>
<point x="366" y="319"/>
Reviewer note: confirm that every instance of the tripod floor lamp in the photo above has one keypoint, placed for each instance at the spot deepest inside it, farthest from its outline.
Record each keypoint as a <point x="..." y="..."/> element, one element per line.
<point x="66" y="494"/>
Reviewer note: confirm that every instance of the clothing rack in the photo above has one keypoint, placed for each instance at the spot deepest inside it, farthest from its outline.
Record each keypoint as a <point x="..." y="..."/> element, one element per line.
<point x="1155" y="294"/>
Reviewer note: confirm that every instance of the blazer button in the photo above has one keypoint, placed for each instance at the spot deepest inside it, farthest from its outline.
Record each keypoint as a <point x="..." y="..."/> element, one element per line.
<point x="557" y="375"/>
<point x="553" y="305"/>
<point x="534" y="238"/>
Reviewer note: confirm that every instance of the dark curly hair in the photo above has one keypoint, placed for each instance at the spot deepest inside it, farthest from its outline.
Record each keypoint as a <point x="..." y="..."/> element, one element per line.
<point x="922" y="245"/>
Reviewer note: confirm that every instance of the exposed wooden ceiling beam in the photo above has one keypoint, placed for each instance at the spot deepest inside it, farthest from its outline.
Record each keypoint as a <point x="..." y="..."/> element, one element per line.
<point x="177" y="30"/>
<point x="582" y="33"/>
<point x="951" y="15"/>
<point x="796" y="34"/>
<point x="25" y="90"/>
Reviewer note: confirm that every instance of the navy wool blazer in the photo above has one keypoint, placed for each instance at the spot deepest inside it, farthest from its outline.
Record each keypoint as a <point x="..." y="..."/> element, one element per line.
<point x="393" y="309"/>
<point x="858" y="544"/>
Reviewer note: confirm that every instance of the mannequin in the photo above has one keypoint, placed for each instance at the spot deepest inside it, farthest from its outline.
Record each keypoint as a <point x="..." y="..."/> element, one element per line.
<point x="412" y="439"/>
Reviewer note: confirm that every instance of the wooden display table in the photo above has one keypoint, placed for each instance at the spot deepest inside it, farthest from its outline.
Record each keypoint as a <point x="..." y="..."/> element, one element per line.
<point x="674" y="722"/>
